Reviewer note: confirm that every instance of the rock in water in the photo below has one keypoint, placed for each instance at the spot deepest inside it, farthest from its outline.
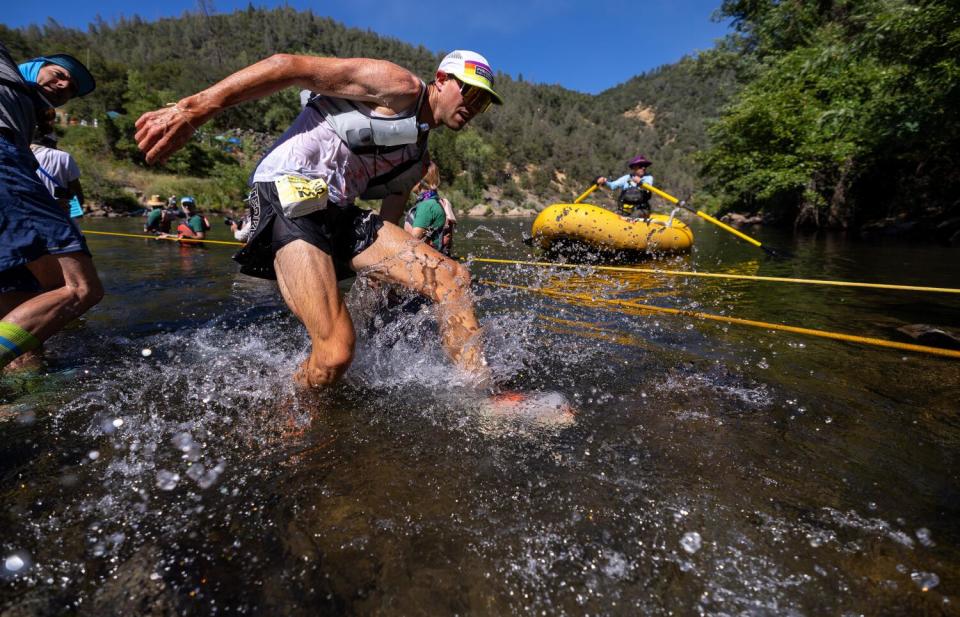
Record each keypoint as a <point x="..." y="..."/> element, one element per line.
<point x="931" y="335"/>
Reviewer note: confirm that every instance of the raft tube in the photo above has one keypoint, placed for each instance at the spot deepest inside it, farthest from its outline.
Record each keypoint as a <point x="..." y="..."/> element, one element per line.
<point x="584" y="225"/>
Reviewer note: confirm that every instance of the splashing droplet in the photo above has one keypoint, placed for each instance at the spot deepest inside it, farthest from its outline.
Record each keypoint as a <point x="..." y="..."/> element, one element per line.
<point x="167" y="480"/>
<point x="925" y="580"/>
<point x="14" y="563"/>
<point x="923" y="535"/>
<point x="691" y="542"/>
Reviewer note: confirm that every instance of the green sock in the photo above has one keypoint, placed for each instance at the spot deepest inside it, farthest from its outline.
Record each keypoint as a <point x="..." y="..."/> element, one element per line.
<point x="14" y="342"/>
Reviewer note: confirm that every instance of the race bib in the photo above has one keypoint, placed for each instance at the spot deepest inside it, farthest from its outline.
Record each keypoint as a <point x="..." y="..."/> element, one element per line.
<point x="300" y="196"/>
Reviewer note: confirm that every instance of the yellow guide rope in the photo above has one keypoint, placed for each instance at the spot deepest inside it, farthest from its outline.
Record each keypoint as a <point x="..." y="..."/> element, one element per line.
<point x="148" y="237"/>
<point x="837" y="336"/>
<point x="747" y="277"/>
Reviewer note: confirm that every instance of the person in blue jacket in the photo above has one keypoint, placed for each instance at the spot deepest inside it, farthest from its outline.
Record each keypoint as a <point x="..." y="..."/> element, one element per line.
<point x="47" y="276"/>
<point x="633" y="199"/>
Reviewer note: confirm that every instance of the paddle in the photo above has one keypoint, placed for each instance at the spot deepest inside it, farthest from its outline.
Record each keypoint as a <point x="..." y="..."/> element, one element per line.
<point x="709" y="218"/>
<point x="586" y="193"/>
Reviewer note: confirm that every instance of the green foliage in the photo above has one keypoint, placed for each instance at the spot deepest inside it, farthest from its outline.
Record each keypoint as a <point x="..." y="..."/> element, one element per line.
<point x="850" y="113"/>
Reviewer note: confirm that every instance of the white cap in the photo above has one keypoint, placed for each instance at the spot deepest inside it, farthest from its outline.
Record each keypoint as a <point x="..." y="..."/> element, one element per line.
<point x="470" y="68"/>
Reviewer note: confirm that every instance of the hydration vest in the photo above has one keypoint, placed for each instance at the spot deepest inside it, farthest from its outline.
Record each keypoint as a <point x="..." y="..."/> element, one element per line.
<point x="634" y="197"/>
<point x="32" y="92"/>
<point x="365" y="134"/>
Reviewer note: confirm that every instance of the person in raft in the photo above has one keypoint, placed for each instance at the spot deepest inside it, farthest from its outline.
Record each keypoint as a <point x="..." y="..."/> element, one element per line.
<point x="47" y="276"/>
<point x="362" y="134"/>
<point x="633" y="199"/>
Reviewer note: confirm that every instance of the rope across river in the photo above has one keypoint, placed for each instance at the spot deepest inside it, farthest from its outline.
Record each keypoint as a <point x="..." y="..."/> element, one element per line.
<point x="639" y="306"/>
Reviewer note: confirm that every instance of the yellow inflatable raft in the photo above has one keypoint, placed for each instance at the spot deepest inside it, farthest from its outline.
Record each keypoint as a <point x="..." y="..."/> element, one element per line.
<point x="583" y="226"/>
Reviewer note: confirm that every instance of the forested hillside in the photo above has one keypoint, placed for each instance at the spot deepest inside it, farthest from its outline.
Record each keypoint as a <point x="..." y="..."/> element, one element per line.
<point x="545" y="141"/>
<point x="850" y="113"/>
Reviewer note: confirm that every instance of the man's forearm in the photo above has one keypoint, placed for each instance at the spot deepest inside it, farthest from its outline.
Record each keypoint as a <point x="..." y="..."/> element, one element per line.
<point x="253" y="82"/>
<point x="375" y="81"/>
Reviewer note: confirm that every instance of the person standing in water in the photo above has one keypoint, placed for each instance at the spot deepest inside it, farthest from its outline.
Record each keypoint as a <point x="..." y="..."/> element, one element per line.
<point x="362" y="134"/>
<point x="158" y="219"/>
<point x="196" y="226"/>
<point x="431" y="218"/>
<point x="47" y="276"/>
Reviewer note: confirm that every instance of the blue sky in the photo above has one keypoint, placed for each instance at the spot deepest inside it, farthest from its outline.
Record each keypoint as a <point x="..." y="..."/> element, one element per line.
<point x="583" y="45"/>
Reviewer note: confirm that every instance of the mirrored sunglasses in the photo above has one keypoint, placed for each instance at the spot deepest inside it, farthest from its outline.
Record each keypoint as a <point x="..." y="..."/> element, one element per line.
<point x="476" y="99"/>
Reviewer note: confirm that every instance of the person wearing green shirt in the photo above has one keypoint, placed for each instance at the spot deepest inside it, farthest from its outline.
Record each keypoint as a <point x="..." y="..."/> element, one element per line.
<point x="431" y="219"/>
<point x="196" y="226"/>
<point x="158" y="221"/>
<point x="427" y="219"/>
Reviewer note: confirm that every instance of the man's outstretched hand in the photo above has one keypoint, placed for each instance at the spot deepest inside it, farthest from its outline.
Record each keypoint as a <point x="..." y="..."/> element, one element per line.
<point x="162" y="132"/>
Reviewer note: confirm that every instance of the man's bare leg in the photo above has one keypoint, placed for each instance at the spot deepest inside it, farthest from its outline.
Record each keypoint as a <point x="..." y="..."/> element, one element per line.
<point x="45" y="313"/>
<point x="308" y="283"/>
<point x="398" y="258"/>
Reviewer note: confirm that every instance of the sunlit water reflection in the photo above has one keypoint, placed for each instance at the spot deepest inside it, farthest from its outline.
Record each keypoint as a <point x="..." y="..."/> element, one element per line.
<point x="163" y="463"/>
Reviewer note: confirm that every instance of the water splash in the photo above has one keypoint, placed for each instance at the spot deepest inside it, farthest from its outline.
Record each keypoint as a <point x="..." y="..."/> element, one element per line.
<point x="691" y="542"/>
<point x="925" y="580"/>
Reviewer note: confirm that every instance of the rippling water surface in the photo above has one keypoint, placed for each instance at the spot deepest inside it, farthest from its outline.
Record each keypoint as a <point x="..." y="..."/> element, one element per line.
<point x="162" y="463"/>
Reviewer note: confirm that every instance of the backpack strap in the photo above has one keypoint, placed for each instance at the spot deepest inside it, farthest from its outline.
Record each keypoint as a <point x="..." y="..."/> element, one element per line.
<point x="47" y="174"/>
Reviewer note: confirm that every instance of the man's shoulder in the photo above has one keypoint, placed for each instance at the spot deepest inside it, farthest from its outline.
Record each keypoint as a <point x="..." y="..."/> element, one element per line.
<point x="61" y="157"/>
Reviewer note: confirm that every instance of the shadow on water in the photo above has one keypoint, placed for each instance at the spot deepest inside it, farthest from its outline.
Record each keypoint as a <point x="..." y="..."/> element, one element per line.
<point x="163" y="464"/>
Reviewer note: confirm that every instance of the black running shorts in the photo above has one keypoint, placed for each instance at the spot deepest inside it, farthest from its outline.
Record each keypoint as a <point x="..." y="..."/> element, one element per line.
<point x="339" y="231"/>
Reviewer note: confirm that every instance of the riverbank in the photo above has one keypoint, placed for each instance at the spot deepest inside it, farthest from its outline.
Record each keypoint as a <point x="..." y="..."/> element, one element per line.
<point x="939" y="226"/>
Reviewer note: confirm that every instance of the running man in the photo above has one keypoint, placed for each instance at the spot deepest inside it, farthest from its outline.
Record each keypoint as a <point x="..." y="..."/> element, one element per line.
<point x="362" y="134"/>
<point x="47" y="277"/>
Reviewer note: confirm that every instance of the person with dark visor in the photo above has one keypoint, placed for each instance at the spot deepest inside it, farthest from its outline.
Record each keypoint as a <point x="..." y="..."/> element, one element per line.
<point x="362" y="134"/>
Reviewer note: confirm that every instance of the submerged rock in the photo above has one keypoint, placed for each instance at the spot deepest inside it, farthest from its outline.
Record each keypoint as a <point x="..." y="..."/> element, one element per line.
<point x="931" y="335"/>
<point x="135" y="589"/>
<point x="739" y="220"/>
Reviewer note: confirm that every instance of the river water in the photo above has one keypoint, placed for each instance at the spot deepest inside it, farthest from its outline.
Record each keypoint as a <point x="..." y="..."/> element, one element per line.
<point x="161" y="463"/>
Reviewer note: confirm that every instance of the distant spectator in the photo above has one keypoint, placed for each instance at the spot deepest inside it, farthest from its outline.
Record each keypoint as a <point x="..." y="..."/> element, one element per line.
<point x="196" y="225"/>
<point x="158" y="219"/>
<point x="241" y="229"/>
